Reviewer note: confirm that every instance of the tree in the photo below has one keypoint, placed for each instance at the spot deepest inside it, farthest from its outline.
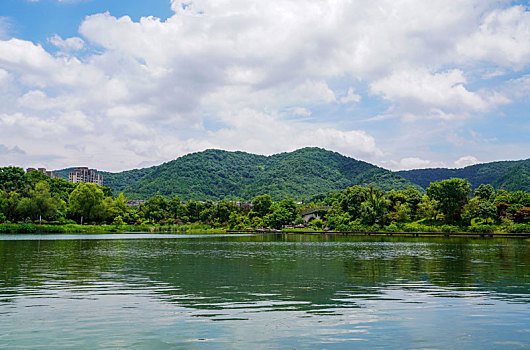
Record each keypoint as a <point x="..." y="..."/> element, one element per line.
<point x="12" y="178"/>
<point x="414" y="198"/>
<point x="40" y="203"/>
<point x="9" y="204"/>
<point x="290" y="206"/>
<point x="86" y="202"/>
<point x="428" y="208"/>
<point x="176" y="210"/>
<point x="262" y="204"/>
<point x="375" y="207"/>
<point x="155" y="208"/>
<point x="401" y="212"/>
<point x="452" y="195"/>
<point x="486" y="210"/>
<point x="470" y="210"/>
<point x="485" y="192"/>
<point x="279" y="217"/>
<point x="194" y="209"/>
<point x="351" y="201"/>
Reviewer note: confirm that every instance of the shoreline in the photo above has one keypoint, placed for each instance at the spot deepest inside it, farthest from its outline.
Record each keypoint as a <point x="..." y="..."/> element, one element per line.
<point x="399" y="234"/>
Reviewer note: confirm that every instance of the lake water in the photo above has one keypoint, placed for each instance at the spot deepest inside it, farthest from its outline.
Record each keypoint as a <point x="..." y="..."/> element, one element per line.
<point x="141" y="291"/>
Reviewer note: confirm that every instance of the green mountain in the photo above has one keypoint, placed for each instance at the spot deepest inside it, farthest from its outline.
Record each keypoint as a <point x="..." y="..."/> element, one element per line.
<point x="508" y="175"/>
<point x="216" y="174"/>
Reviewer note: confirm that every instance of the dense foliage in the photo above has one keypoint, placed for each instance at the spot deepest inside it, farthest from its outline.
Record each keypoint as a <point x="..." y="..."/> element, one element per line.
<point x="507" y="175"/>
<point x="448" y="205"/>
<point x="305" y="174"/>
<point x="216" y="174"/>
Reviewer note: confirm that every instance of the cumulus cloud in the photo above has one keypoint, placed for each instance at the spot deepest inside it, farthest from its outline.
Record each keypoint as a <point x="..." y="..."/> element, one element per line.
<point x="503" y="37"/>
<point x="231" y="73"/>
<point x="14" y="150"/>
<point x="466" y="161"/>
<point x="414" y="163"/>
<point x="301" y="111"/>
<point x="435" y="93"/>
<point x="69" y="44"/>
<point x="5" y="25"/>
<point x="351" y="96"/>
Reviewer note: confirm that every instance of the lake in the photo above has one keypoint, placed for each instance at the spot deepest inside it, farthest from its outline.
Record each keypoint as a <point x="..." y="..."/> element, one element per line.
<point x="167" y="291"/>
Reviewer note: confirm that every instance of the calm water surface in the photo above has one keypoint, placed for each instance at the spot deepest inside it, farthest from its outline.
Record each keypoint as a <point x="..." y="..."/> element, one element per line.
<point x="139" y="291"/>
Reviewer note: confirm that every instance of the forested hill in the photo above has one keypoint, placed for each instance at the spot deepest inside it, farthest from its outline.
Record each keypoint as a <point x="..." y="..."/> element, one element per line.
<point x="216" y="174"/>
<point x="508" y="175"/>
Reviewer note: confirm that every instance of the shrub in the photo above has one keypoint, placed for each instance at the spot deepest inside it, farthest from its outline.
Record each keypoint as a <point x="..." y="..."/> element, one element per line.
<point x="450" y="228"/>
<point x="481" y="228"/>
<point x="393" y="228"/>
<point x="5" y="228"/>
<point x="26" y="228"/>
<point x="317" y="223"/>
<point x="518" y="228"/>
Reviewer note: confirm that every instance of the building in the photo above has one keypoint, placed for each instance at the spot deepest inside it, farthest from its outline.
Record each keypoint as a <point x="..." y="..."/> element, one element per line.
<point x="50" y="174"/>
<point x="83" y="174"/>
<point x="135" y="203"/>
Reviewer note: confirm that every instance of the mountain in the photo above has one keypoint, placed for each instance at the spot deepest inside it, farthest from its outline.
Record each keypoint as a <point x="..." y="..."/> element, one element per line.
<point x="302" y="174"/>
<point x="216" y="174"/>
<point x="508" y="175"/>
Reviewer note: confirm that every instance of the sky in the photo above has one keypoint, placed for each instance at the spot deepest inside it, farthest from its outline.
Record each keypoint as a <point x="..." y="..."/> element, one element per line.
<point x="122" y="84"/>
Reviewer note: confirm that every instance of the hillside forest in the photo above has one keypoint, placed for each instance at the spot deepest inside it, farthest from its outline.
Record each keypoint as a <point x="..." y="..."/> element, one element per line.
<point x="32" y="202"/>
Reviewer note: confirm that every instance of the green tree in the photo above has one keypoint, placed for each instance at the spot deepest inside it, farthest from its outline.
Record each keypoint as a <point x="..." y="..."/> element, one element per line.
<point x="194" y="209"/>
<point x="401" y="213"/>
<point x="155" y="208"/>
<point x="118" y="221"/>
<point x="290" y="206"/>
<point x="237" y="221"/>
<point x="375" y="207"/>
<point x="279" y="217"/>
<point x="352" y="199"/>
<point x="452" y="195"/>
<point x="470" y="210"/>
<point x="40" y="203"/>
<point x="428" y="208"/>
<point x="414" y="198"/>
<point x="223" y="210"/>
<point x="12" y="179"/>
<point x="486" y="210"/>
<point x="176" y="210"/>
<point x="485" y="192"/>
<point x="86" y="202"/>
<point x="262" y="205"/>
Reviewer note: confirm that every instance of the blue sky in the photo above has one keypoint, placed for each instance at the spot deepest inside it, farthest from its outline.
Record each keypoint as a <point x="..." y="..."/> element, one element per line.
<point x="403" y="84"/>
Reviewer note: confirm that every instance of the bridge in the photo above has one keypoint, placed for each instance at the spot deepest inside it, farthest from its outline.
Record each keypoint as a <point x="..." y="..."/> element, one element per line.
<point x="310" y="214"/>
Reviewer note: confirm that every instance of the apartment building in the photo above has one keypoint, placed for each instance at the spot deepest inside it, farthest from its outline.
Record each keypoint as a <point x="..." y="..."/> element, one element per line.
<point x="83" y="174"/>
<point x="50" y="174"/>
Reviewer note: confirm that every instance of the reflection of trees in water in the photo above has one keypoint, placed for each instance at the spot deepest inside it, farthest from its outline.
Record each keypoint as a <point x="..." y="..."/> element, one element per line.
<point x="207" y="272"/>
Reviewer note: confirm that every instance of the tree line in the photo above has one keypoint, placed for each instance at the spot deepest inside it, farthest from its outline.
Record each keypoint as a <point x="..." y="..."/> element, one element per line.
<point x="451" y="204"/>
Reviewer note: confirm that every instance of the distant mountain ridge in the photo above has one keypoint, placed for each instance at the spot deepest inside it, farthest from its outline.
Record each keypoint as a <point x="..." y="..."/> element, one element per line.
<point x="217" y="174"/>
<point x="508" y="175"/>
<point x="301" y="174"/>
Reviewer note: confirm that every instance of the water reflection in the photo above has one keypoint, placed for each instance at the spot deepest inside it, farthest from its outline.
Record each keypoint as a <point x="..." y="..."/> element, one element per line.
<point x="299" y="290"/>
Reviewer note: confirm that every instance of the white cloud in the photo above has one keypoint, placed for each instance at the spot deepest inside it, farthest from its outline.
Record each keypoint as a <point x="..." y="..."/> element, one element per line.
<point x="259" y="129"/>
<point x="414" y="163"/>
<point x="351" y="96"/>
<point x="465" y="161"/>
<point x="69" y="44"/>
<point x="221" y="73"/>
<point x="503" y="37"/>
<point x="5" y="80"/>
<point x="301" y="111"/>
<point x="5" y="25"/>
<point x="14" y="150"/>
<point x="421" y="90"/>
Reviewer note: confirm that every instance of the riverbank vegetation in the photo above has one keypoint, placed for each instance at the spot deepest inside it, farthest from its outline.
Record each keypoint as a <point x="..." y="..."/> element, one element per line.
<point x="33" y="202"/>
